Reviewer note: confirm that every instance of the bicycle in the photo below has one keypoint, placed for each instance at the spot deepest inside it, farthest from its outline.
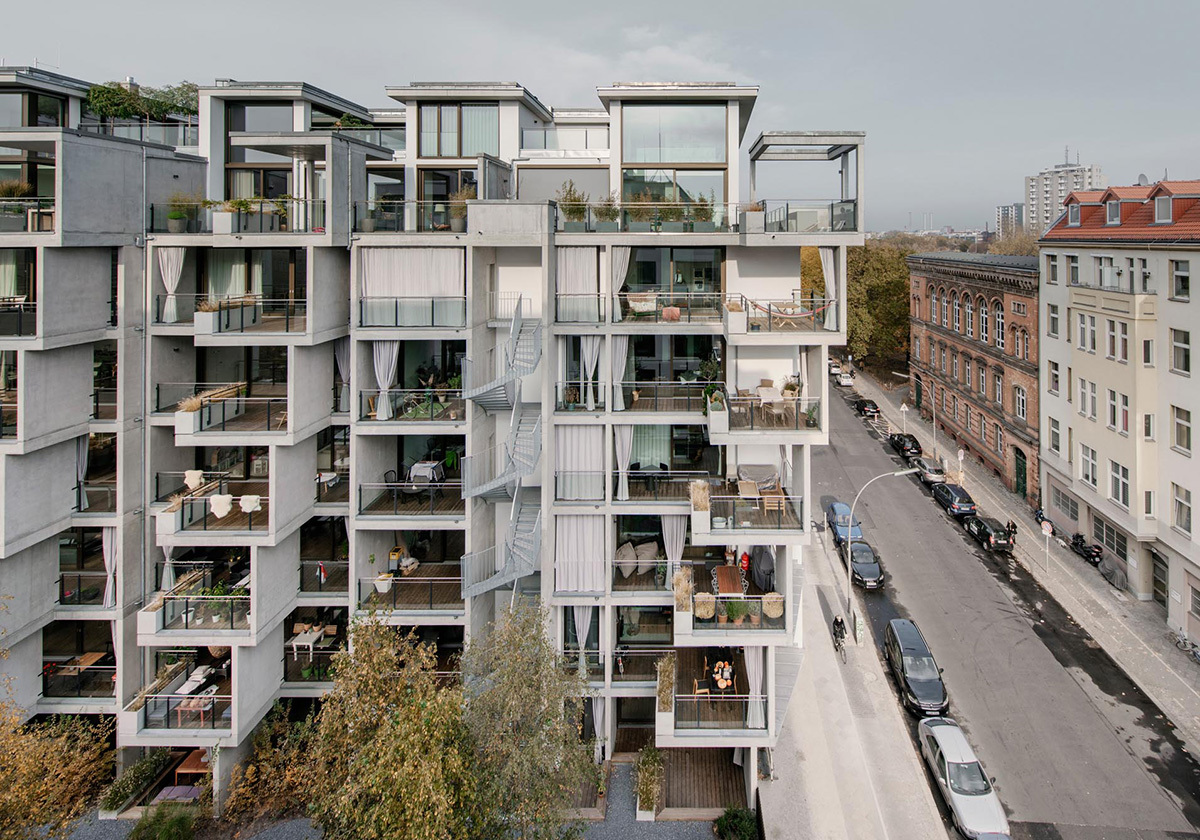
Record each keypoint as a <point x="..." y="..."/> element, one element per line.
<point x="839" y="644"/>
<point x="1182" y="641"/>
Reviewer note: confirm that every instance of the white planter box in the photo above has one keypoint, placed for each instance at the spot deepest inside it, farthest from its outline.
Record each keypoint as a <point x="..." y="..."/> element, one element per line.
<point x="683" y="623"/>
<point x="148" y="622"/>
<point x="222" y="222"/>
<point x="753" y="221"/>
<point x="187" y="422"/>
<point x="718" y="420"/>
<point x="664" y="722"/>
<point x="701" y="521"/>
<point x="209" y="323"/>
<point x="644" y="816"/>
<point x="735" y="322"/>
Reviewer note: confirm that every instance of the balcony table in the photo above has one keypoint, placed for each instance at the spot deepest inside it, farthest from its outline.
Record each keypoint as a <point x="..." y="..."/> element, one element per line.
<point x="749" y="490"/>
<point x="729" y="580"/>
<point x="432" y="470"/>
<point x="307" y="639"/>
<point x="201" y="703"/>
<point x="196" y="764"/>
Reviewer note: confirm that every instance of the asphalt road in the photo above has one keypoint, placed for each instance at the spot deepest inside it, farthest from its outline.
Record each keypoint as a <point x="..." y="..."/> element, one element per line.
<point x="1078" y="751"/>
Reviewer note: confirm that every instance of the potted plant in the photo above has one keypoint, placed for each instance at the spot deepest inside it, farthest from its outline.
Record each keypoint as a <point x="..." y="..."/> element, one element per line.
<point x="701" y="514"/>
<point x="180" y="208"/>
<point x="772" y="605"/>
<point x="791" y="386"/>
<point x="660" y="574"/>
<point x="706" y="605"/>
<point x="14" y="216"/>
<point x="571" y="398"/>
<point x="458" y="207"/>
<point x="607" y="214"/>
<point x="383" y="583"/>
<point x="574" y="204"/>
<point x="671" y="215"/>
<point x="722" y="610"/>
<point x="640" y="212"/>
<point x="812" y="416"/>
<point x="683" y="586"/>
<point x="736" y="610"/>
<point x="367" y="223"/>
<point x="754" y="610"/>
<point x="649" y="782"/>
<point x="224" y="212"/>
<point x="702" y="213"/>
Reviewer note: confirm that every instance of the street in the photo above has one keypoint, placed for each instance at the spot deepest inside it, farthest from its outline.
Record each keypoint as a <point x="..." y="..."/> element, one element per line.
<point x="1078" y="751"/>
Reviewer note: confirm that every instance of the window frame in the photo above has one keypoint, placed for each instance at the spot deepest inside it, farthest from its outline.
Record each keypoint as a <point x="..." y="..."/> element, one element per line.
<point x="1088" y="466"/>
<point x="1178" y="423"/>
<point x="1109" y="214"/>
<point x="1178" y="346"/>
<point x="1053" y="377"/>
<point x="1053" y="325"/>
<point x="1054" y="436"/>
<point x="1181" y="497"/>
<point x="1176" y="273"/>
<point x="458" y="107"/>
<point x="1161" y="218"/>
<point x="1073" y="215"/>
<point x="1020" y="402"/>
<point x="1118" y="484"/>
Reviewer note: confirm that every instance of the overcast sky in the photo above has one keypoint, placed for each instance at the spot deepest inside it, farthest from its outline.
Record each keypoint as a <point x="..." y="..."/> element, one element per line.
<point x="960" y="100"/>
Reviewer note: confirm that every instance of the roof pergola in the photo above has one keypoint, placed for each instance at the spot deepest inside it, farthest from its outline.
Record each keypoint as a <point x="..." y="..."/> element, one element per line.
<point x="809" y="145"/>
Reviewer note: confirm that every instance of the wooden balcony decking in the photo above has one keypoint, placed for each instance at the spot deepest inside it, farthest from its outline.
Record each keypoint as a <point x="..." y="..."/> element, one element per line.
<point x="236" y="520"/>
<point x="700" y="783"/>
<point x="414" y="500"/>
<point x="433" y="586"/>
<point x="756" y="514"/>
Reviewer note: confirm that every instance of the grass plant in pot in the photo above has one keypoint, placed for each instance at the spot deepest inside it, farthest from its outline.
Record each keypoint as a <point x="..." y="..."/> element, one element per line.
<point x="13" y="213"/>
<point x="702" y="213"/>
<point x="606" y="214"/>
<point x="181" y="208"/>
<point x="573" y="202"/>
<point x="639" y="210"/>
<point x="754" y="610"/>
<point x="671" y="214"/>
<point x="706" y="606"/>
<point x="736" y="609"/>
<point x="649" y="770"/>
<point x="458" y="207"/>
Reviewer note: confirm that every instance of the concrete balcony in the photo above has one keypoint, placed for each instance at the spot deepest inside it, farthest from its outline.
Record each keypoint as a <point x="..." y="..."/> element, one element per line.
<point x="753" y="517"/>
<point x="710" y="701"/>
<point x="767" y="417"/>
<point x="411" y="411"/>
<point x="781" y="321"/>
<point x="434" y="588"/>
<point x="412" y="502"/>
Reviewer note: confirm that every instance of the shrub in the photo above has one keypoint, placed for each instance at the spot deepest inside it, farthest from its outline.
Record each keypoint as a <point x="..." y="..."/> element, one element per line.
<point x="573" y="201"/>
<point x="606" y="210"/>
<point x="737" y="824"/>
<point x="16" y="189"/>
<point x="735" y="608"/>
<point x="682" y="583"/>
<point x="649" y="769"/>
<point x="166" y="822"/>
<point x="641" y="207"/>
<point x="459" y="199"/>
<point x="666" y="681"/>
<point x="699" y="491"/>
<point x="136" y="778"/>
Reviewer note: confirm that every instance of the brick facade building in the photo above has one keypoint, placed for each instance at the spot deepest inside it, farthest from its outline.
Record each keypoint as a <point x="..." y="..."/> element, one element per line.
<point x="974" y="358"/>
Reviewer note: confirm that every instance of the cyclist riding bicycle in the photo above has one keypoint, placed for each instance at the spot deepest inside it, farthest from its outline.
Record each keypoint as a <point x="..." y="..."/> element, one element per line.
<point x="839" y="630"/>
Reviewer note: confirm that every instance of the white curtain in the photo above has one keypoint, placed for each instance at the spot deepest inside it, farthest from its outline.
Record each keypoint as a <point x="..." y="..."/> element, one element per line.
<point x="756" y="715"/>
<point x="81" y="465"/>
<point x="618" y="346"/>
<point x="829" y="269"/>
<point x="583" y="626"/>
<point x="260" y="264"/>
<point x="620" y="267"/>
<point x="386" y="355"/>
<point x="170" y="266"/>
<point x="651" y="446"/>
<point x="431" y="283"/>
<point x="579" y="553"/>
<point x="168" y="575"/>
<point x="341" y="356"/>
<point x="674" y="532"/>
<point x="623" y="445"/>
<point x="579" y="454"/>
<point x="226" y="273"/>
<point x="108" y="542"/>
<point x="600" y="721"/>
<point x="480" y="130"/>
<point x="589" y="351"/>
<point x="8" y="273"/>
<point x="578" y="277"/>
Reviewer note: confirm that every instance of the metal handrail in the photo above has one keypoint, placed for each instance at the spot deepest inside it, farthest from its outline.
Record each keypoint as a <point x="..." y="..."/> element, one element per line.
<point x="408" y="489"/>
<point x="18" y="318"/>
<point x="412" y="311"/>
<point x="394" y="586"/>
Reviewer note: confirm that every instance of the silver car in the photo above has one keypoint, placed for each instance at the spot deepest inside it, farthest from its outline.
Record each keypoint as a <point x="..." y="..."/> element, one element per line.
<point x="961" y="779"/>
<point x="930" y="471"/>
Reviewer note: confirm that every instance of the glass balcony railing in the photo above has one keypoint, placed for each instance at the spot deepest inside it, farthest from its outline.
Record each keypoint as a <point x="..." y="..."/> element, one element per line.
<point x="591" y="660"/>
<point x="423" y="405"/>
<point x="8" y="416"/>
<point x="27" y="215"/>
<point x="395" y="216"/>
<point x="442" y="498"/>
<point x="725" y="613"/>
<point x="766" y="512"/>
<point x="720" y="711"/>
<point x="96" y="496"/>
<point x="389" y="138"/>
<point x="789" y="315"/>
<point x="632" y="664"/>
<point x="571" y="396"/>
<point x="770" y="413"/>
<point x="665" y="396"/>
<point x="579" y="486"/>
<point x="656" y="485"/>
<point x="207" y="612"/>
<point x="306" y="668"/>
<point x="188" y="711"/>
<point x="76" y="678"/>
<point x="581" y="309"/>
<point x="666" y="306"/>
<point x="165" y="133"/>
<point x="180" y="218"/>
<point x="443" y="312"/>
<point x="395" y="593"/>
<point x="82" y="589"/>
<point x="810" y="216"/>
<point x="565" y="139"/>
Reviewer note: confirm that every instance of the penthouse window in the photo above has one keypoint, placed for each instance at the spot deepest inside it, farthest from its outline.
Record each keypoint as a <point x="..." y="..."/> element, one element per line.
<point x="454" y="130"/>
<point x="252" y="173"/>
<point x="673" y="133"/>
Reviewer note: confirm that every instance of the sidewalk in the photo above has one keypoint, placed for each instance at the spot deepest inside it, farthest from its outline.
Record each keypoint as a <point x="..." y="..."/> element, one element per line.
<point x="1132" y="632"/>
<point x="845" y="765"/>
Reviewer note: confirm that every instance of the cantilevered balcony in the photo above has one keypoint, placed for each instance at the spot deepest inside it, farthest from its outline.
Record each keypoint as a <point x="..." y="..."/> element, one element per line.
<point x="777" y="320"/>
<point x="710" y="699"/>
<point x="763" y="415"/>
<point x="414" y="499"/>
<point x="432" y="587"/>
<point x="386" y="215"/>
<point x="27" y="215"/>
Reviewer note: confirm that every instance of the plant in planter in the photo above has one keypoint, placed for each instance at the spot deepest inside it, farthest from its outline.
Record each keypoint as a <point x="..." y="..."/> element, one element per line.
<point x="699" y="491"/>
<point x="383" y="583"/>
<point x="649" y="770"/>
<point x="812" y="417"/>
<point x="722" y="610"/>
<point x="12" y="214"/>
<point x="736" y="824"/>
<point x="671" y="215"/>
<point x="772" y="605"/>
<point x="640" y="211"/>
<point x="754" y="610"/>
<point x="458" y="207"/>
<point x="665" y="670"/>
<point x="571" y="398"/>
<point x="16" y="189"/>
<point x="660" y="574"/>
<point x="702" y="213"/>
<point x="181" y="207"/>
<point x="791" y="386"/>
<point x="736" y="609"/>
<point x="706" y="606"/>
<point x="683" y="586"/>
<point x="574" y="204"/>
<point x="607" y="213"/>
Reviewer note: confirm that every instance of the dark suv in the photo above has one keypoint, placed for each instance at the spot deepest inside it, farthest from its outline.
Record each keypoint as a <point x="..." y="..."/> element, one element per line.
<point x="989" y="533"/>
<point x="954" y="499"/>
<point x="917" y="676"/>
<point x="866" y="408"/>
<point x="906" y="445"/>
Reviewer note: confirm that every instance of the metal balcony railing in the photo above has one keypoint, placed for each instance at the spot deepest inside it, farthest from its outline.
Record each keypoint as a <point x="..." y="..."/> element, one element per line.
<point x="27" y="215"/>
<point x="399" y="594"/>
<point x="82" y="589"/>
<point x="442" y="498"/>
<point x="18" y="317"/>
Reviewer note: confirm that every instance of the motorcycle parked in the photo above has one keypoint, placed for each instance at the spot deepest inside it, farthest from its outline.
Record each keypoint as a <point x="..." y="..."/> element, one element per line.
<point x="1040" y="516"/>
<point x="1090" y="552"/>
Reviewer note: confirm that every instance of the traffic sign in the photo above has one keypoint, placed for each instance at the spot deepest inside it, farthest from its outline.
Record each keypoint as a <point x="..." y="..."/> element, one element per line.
<point x="1047" y="529"/>
<point x="904" y="417"/>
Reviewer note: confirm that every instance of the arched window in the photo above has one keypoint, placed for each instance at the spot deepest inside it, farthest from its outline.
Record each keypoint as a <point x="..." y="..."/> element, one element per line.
<point x="932" y="305"/>
<point x="983" y="321"/>
<point x="998" y="308"/>
<point x="954" y="298"/>
<point x="945" y="309"/>
<point x="970" y="316"/>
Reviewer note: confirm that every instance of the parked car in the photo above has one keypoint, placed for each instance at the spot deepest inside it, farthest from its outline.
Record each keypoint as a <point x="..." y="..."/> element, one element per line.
<point x="964" y="785"/>
<point x="917" y="675"/>
<point x="835" y="367"/>
<point x="906" y="445"/>
<point x="840" y="523"/>
<point x="989" y="533"/>
<point x="845" y="380"/>
<point x="864" y="564"/>
<point x="866" y="408"/>
<point x="931" y="471"/>
<point x="956" y="501"/>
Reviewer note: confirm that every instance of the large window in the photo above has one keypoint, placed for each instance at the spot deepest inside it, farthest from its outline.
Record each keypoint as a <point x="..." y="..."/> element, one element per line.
<point x="1105" y="533"/>
<point x="673" y="133"/>
<point x="12" y="110"/>
<point x="1052" y="269"/>
<point x="1087" y="465"/>
<point x="457" y="131"/>
<point x="680" y="270"/>
<point x="1181" y="351"/>
<point x="673" y="185"/>
<point x="258" y="117"/>
<point x="1119" y="488"/>
<point x="1019" y="401"/>
<point x="1052" y="371"/>
<point x="1181" y="515"/>
<point x="1055" y="436"/>
<point x="1181" y="279"/>
<point x="1065" y="503"/>
<point x="1181" y="429"/>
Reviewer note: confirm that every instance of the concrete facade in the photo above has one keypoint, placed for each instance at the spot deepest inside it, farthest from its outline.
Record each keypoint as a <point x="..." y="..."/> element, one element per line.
<point x="1046" y="191"/>
<point x="1010" y="218"/>
<point x="980" y="380"/>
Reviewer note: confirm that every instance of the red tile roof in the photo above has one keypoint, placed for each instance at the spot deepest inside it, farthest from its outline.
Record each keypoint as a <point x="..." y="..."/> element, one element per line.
<point x="1137" y="215"/>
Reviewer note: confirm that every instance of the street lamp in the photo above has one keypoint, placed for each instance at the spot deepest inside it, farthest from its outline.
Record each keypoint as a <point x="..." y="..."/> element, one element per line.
<point x="850" y="534"/>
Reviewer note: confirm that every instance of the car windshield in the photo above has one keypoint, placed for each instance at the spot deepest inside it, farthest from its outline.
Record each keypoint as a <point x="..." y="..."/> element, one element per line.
<point x="930" y="468"/>
<point x="863" y="553"/>
<point x="968" y="779"/>
<point x="999" y="530"/>
<point x="843" y="521"/>
<point x="920" y="668"/>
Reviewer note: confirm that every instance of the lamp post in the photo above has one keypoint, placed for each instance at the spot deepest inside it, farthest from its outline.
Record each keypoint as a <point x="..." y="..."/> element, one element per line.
<point x="850" y="536"/>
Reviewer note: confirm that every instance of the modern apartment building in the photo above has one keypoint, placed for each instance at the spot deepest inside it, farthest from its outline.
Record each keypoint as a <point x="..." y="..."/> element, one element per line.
<point x="1117" y="452"/>
<point x="401" y="368"/>
<point x="1046" y="191"/>
<point x="1010" y="218"/>
<point x="974" y="340"/>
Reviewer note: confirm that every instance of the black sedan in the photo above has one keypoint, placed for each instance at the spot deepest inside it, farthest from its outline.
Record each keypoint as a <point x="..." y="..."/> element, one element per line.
<point x="906" y="445"/>
<point x="864" y="566"/>
<point x="866" y="408"/>
<point x="989" y="533"/>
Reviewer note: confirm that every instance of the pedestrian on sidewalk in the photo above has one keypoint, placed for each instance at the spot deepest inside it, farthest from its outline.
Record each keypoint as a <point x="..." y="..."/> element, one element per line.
<point x="1012" y="532"/>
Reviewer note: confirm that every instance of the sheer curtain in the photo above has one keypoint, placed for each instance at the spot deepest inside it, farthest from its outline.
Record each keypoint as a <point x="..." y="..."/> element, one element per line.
<point x="832" y="296"/>
<point x="480" y="130"/>
<point x="341" y="356"/>
<point x="226" y="273"/>
<point x="8" y="273"/>
<point x="579" y="454"/>
<point x="600" y="723"/>
<point x="386" y="354"/>
<point x="620" y="267"/>
<point x="589" y="351"/>
<point x="431" y="283"/>
<point x="81" y="467"/>
<point x="756" y="717"/>
<point x="168" y="575"/>
<point x="652" y="446"/>
<point x="579" y="553"/>
<point x="674" y="532"/>
<point x="578" y="279"/>
<point x="108" y="541"/>
<point x="170" y="266"/>
<point x="583" y="626"/>
<point x="623" y="446"/>
<point x="618" y="346"/>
